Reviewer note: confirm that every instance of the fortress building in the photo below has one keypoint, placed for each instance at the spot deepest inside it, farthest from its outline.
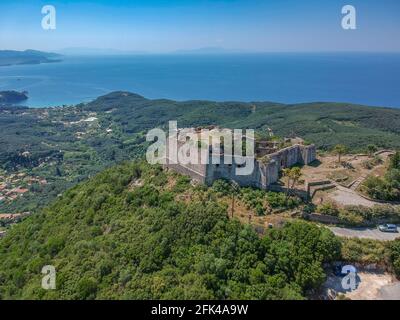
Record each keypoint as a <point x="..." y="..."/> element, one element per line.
<point x="269" y="159"/>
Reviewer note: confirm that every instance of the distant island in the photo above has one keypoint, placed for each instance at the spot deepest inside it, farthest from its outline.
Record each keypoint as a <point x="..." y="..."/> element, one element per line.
<point x="206" y="50"/>
<point x="9" y="97"/>
<point x="11" y="57"/>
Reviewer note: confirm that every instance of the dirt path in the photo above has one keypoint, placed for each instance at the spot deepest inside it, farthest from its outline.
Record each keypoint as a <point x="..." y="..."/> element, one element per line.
<point x="370" y="285"/>
<point x="345" y="197"/>
<point x="346" y="178"/>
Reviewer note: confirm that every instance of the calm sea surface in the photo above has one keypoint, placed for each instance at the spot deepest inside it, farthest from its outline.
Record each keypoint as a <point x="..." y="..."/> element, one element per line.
<point x="371" y="79"/>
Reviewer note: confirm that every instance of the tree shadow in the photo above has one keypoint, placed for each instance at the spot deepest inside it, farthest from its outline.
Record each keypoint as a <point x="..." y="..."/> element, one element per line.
<point x="316" y="163"/>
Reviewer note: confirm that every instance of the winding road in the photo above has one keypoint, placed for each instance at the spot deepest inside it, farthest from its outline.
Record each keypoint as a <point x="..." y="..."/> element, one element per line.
<point x="364" y="233"/>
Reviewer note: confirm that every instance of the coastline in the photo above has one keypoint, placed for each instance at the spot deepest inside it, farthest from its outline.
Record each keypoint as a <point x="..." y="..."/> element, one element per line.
<point x="284" y="78"/>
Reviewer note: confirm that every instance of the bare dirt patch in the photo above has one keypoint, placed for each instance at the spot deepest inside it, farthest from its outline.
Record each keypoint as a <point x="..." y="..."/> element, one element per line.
<point x="347" y="175"/>
<point x="370" y="286"/>
<point x="347" y="197"/>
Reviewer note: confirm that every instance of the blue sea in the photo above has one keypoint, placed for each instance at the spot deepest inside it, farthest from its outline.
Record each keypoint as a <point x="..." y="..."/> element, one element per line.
<point x="370" y="79"/>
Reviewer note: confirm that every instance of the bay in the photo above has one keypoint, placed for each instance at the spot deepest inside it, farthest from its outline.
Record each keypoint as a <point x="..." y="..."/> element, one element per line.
<point x="360" y="78"/>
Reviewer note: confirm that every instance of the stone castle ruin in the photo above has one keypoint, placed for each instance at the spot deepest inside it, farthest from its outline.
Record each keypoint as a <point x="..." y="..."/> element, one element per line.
<point x="271" y="156"/>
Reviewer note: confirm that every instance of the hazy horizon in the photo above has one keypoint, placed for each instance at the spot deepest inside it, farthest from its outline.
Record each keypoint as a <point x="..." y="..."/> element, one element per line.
<point x="161" y="26"/>
<point x="202" y="50"/>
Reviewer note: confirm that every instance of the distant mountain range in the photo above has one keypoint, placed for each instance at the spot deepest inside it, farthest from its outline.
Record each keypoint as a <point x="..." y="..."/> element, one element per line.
<point x="12" y="57"/>
<point x="207" y="50"/>
<point x="107" y="51"/>
<point x="79" y="51"/>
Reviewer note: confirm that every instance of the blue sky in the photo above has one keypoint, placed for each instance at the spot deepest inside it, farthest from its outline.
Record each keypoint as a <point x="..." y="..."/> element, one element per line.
<point x="168" y="25"/>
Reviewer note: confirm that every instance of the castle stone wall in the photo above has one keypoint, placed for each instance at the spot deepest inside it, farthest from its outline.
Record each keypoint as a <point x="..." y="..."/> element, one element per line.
<point x="272" y="172"/>
<point x="309" y="154"/>
<point x="228" y="172"/>
<point x="287" y="157"/>
<point x="196" y="172"/>
<point x="263" y="175"/>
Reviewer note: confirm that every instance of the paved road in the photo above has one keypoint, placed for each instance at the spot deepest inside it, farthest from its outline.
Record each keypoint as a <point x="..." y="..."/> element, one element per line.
<point x="364" y="233"/>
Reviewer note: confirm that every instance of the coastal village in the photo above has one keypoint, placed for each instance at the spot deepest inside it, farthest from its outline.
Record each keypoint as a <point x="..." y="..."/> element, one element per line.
<point x="21" y="182"/>
<point x="12" y="187"/>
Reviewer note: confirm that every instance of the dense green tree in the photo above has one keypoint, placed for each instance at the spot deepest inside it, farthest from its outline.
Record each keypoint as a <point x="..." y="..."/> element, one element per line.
<point x="371" y="149"/>
<point x="395" y="161"/>
<point x="395" y="256"/>
<point x="114" y="238"/>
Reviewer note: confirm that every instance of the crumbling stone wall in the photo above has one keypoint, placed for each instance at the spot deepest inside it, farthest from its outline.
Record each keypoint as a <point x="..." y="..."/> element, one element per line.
<point x="265" y="173"/>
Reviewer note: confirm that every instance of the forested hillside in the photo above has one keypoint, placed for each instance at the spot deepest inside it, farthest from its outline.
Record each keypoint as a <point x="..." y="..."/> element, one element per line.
<point x="127" y="233"/>
<point x="67" y="145"/>
<point x="325" y="124"/>
<point x="11" y="57"/>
